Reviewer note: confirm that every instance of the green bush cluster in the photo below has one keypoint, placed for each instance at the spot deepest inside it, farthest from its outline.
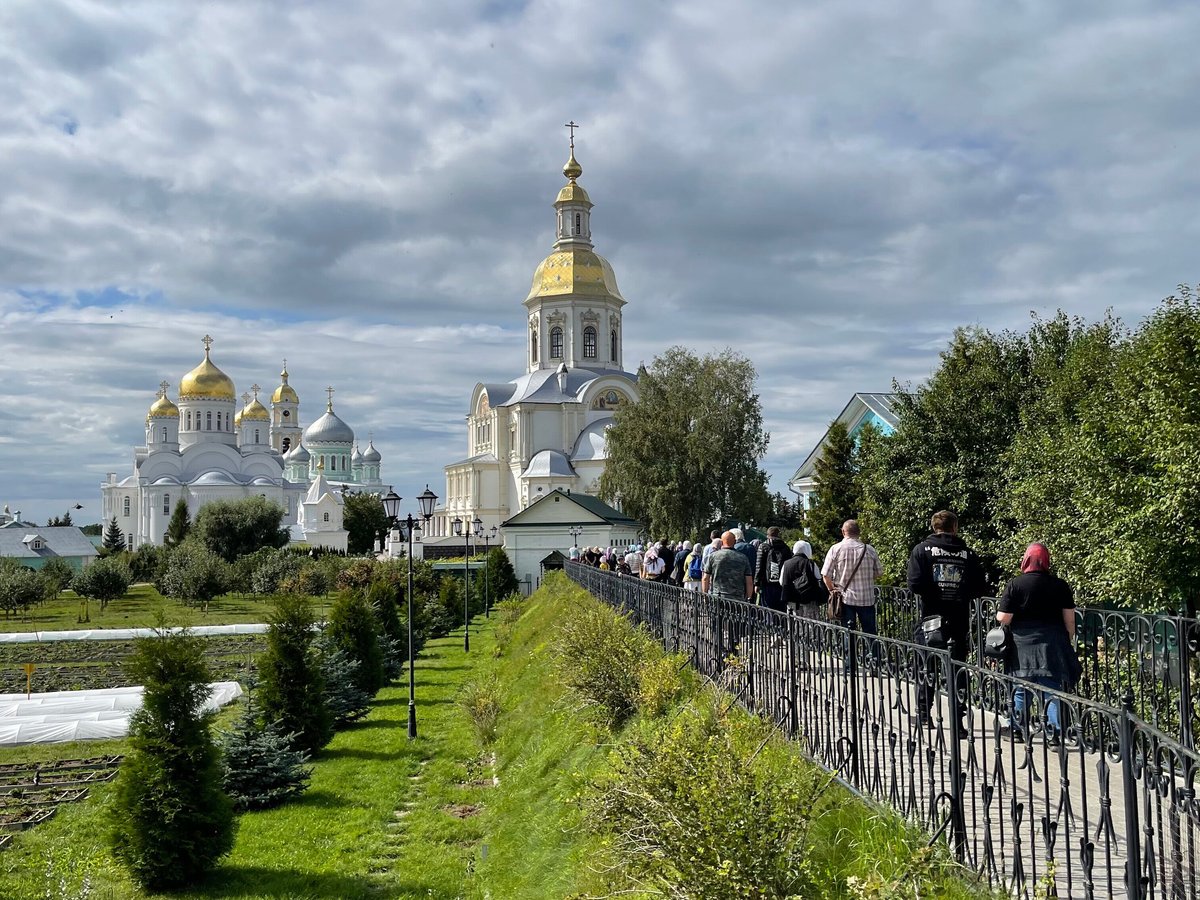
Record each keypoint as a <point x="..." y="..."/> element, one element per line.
<point x="480" y="700"/>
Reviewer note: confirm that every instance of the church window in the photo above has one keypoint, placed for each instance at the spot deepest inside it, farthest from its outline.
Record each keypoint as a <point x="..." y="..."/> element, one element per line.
<point x="612" y="339"/>
<point x="326" y="518"/>
<point x="208" y="421"/>
<point x="287" y="442"/>
<point x="556" y="342"/>
<point x="256" y="435"/>
<point x="164" y="434"/>
<point x="589" y="342"/>
<point x="287" y="414"/>
<point x="533" y="346"/>
<point x="578" y="224"/>
<point x="188" y="420"/>
<point x="126" y="506"/>
<point x="166" y="504"/>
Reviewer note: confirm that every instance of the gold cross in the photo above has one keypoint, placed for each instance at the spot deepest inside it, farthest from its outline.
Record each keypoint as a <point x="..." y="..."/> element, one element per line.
<point x="256" y="389"/>
<point x="207" y="341"/>
<point x="572" y="126"/>
<point x="162" y="388"/>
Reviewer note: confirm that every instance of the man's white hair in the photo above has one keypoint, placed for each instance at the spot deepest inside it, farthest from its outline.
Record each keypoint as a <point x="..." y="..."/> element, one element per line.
<point x="738" y="533"/>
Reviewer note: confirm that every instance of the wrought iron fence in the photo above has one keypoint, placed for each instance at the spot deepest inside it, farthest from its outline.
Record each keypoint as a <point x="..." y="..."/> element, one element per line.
<point x="1030" y="788"/>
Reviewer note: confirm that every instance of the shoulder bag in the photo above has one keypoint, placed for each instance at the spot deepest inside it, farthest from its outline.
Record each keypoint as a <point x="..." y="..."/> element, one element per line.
<point x="835" y="596"/>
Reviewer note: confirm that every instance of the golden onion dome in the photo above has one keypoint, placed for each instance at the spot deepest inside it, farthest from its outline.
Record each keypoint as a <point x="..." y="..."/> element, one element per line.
<point x="163" y="408"/>
<point x="254" y="412"/>
<point x="206" y="382"/>
<point x="574" y="271"/>
<point x="572" y="169"/>
<point x="285" y="393"/>
<point x="237" y="419"/>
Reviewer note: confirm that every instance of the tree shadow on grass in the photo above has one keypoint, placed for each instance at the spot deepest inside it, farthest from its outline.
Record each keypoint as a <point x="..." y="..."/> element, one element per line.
<point x="319" y="798"/>
<point x="403" y="701"/>
<point x="356" y="753"/>
<point x="259" y="881"/>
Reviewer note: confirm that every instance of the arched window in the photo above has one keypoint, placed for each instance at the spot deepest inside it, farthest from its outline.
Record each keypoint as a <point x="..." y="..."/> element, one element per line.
<point x="612" y="350"/>
<point x="218" y="421"/>
<point x="208" y="421"/>
<point x="189" y="420"/>
<point x="326" y="517"/>
<point x="322" y="460"/>
<point x="578" y="224"/>
<point x="533" y="347"/>
<point x="589" y="342"/>
<point x="287" y="442"/>
<point x="556" y="350"/>
<point x="164" y="437"/>
<point x="126" y="506"/>
<point x="256" y="435"/>
<point x="166" y="504"/>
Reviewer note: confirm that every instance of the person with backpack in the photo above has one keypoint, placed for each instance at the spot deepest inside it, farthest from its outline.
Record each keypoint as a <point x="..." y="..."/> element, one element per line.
<point x="801" y="584"/>
<point x="772" y="554"/>
<point x="693" y="572"/>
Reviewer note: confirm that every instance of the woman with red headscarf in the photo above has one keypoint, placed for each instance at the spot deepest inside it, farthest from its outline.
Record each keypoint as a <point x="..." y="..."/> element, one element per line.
<point x="1039" y="607"/>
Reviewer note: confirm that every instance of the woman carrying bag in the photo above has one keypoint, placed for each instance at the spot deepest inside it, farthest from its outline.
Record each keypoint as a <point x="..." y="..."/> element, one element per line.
<point x="1039" y="608"/>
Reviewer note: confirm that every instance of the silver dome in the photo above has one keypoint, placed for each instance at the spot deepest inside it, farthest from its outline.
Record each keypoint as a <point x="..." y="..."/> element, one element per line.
<point x="329" y="429"/>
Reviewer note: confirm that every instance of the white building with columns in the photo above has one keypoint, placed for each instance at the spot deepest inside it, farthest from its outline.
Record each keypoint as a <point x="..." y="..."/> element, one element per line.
<point x="546" y="429"/>
<point x="209" y="447"/>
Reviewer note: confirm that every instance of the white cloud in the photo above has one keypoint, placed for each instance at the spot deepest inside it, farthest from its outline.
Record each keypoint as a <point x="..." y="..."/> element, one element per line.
<point x="365" y="188"/>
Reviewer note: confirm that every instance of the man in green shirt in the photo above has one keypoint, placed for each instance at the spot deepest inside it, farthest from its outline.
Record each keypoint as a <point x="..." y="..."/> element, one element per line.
<point x="727" y="573"/>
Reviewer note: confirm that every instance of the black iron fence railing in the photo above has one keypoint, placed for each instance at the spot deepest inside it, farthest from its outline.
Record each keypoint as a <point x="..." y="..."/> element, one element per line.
<point x="1035" y="790"/>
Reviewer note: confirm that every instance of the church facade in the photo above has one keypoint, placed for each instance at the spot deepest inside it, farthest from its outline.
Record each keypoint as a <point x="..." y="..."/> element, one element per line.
<point x="545" y="430"/>
<point x="211" y="447"/>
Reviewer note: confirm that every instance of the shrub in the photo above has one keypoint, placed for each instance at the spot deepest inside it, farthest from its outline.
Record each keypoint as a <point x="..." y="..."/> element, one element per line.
<point x="20" y="587"/>
<point x="508" y="611"/>
<point x="358" y="575"/>
<point x="292" y="690"/>
<point x="480" y="700"/>
<point x="57" y="575"/>
<point x="354" y="630"/>
<point x="661" y="682"/>
<point x="193" y="575"/>
<point x="710" y="805"/>
<point x="310" y="579"/>
<point x="344" y="698"/>
<point x="599" y="655"/>
<point x="171" y="819"/>
<point x="274" y="569"/>
<point x="262" y="767"/>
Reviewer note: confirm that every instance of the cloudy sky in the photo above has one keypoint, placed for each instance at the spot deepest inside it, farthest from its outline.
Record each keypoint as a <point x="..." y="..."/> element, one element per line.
<point x="365" y="188"/>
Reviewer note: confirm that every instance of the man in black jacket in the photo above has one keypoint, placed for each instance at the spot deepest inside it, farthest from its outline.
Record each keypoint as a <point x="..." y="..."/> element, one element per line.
<point x="946" y="575"/>
<point x="769" y="560"/>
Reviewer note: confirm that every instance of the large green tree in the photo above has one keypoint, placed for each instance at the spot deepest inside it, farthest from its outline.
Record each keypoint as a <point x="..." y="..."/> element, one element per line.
<point x="20" y="587"/>
<point x="179" y="526"/>
<point x="233" y="528"/>
<point x="364" y="519"/>
<point x="104" y="580"/>
<point x="193" y="574"/>
<point x="114" y="539"/>
<point x="291" y="688"/>
<point x="687" y="453"/>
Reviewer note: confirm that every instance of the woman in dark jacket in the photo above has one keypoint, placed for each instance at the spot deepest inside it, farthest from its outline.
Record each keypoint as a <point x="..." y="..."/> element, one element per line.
<point x="1039" y="607"/>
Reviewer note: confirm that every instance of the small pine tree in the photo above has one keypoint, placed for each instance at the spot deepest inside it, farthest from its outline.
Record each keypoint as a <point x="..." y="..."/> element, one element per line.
<point x="393" y="637"/>
<point x="171" y="819"/>
<point x="501" y="577"/>
<point x="179" y="526"/>
<point x="345" y="700"/>
<point x="262" y="767"/>
<point x="114" y="540"/>
<point x="292" y="688"/>
<point x="354" y="630"/>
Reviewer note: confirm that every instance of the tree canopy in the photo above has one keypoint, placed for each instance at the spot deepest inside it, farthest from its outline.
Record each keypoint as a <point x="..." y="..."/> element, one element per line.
<point x="233" y="528"/>
<point x="363" y="518"/>
<point x="687" y="453"/>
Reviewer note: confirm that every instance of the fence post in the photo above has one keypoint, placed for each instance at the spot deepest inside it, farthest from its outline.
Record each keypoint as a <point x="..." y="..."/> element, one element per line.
<point x="855" y="724"/>
<point x="793" y="680"/>
<point x="1189" y="647"/>
<point x="958" y="822"/>
<point x="1133" y="853"/>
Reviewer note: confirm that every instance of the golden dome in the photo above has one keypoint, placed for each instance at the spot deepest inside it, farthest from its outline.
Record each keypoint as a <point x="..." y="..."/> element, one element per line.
<point x="575" y="271"/>
<point x="285" y="393"/>
<point x="163" y="408"/>
<point x="572" y="169"/>
<point x="206" y="381"/>
<point x="237" y="419"/>
<point x="255" y="412"/>
<point x="573" y="193"/>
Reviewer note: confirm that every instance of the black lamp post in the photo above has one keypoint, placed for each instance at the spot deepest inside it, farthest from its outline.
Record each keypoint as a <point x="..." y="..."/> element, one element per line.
<point x="391" y="506"/>
<point x="487" y="608"/>
<point x="465" y="533"/>
<point x="576" y="531"/>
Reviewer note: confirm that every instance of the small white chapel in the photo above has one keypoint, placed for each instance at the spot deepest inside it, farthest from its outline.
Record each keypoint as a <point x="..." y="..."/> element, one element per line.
<point x="545" y="430"/>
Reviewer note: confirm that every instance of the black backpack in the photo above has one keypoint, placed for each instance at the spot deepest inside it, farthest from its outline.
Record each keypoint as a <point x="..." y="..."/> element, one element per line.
<point x="809" y="585"/>
<point x="775" y="563"/>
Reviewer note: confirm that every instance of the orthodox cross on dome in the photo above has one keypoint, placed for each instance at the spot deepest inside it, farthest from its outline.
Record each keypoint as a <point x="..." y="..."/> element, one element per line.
<point x="254" y="389"/>
<point x="571" y="126"/>
<point x="162" y="388"/>
<point x="207" y="342"/>
<point x="245" y="397"/>
<point x="329" y="405"/>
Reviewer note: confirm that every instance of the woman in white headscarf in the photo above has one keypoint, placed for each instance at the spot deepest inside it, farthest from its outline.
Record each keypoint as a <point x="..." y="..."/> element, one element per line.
<point x="803" y="589"/>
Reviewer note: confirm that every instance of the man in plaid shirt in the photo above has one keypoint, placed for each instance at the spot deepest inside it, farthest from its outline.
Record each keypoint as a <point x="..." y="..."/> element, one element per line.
<point x="853" y="568"/>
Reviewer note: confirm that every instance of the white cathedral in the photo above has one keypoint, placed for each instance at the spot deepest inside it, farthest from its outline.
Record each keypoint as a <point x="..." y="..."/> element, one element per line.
<point x="209" y="448"/>
<point x="546" y="429"/>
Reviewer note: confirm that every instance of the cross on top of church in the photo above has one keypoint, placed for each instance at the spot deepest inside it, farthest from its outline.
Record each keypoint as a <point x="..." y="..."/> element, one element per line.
<point x="329" y="391"/>
<point x="162" y="388"/>
<point x="207" y="341"/>
<point x="255" y="389"/>
<point x="571" y="126"/>
<point x="245" y="397"/>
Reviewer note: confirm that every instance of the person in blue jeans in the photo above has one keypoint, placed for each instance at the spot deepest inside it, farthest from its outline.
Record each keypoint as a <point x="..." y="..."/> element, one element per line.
<point x="1039" y="607"/>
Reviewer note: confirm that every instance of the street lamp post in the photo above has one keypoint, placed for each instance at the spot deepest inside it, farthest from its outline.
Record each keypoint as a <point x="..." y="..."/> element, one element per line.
<point x="391" y="506"/>
<point x="576" y="531"/>
<point x="465" y="533"/>
<point x="487" y="608"/>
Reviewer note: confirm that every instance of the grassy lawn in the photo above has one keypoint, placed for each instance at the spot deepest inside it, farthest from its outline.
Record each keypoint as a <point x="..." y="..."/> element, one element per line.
<point x="141" y="608"/>
<point x="384" y="817"/>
